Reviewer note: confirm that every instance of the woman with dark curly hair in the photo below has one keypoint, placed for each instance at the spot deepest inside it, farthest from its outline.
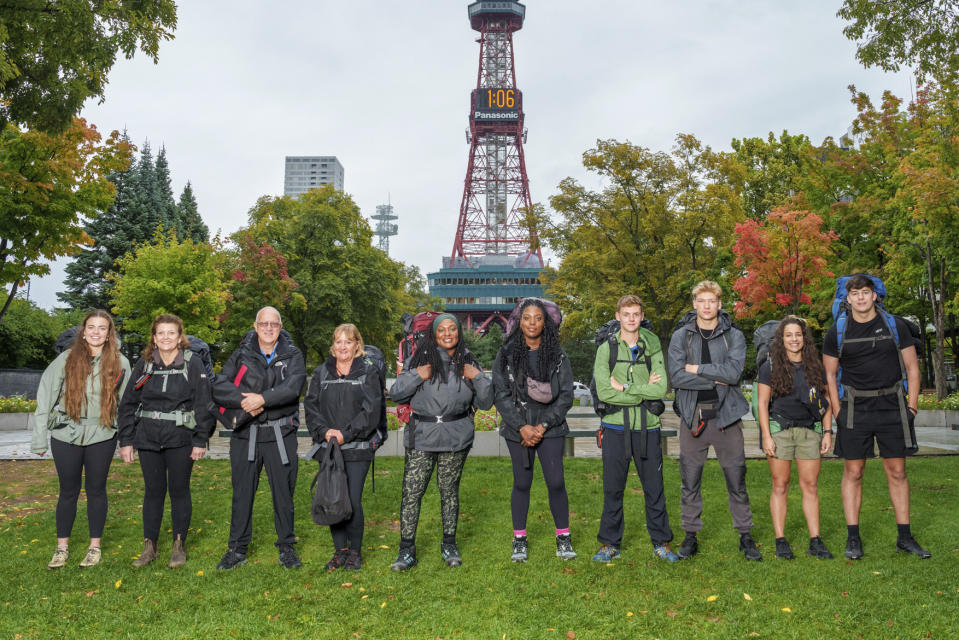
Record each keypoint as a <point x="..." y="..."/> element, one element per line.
<point x="796" y="424"/>
<point x="443" y="384"/>
<point x="533" y="389"/>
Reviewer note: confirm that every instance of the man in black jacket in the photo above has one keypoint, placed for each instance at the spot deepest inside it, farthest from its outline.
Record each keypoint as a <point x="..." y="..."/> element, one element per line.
<point x="263" y="378"/>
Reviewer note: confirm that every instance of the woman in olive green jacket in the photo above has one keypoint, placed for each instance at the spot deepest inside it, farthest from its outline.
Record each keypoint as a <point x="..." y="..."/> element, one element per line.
<point x="77" y="408"/>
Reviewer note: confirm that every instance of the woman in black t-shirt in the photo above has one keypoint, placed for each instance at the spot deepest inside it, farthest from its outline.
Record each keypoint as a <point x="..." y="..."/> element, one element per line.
<point x="793" y="410"/>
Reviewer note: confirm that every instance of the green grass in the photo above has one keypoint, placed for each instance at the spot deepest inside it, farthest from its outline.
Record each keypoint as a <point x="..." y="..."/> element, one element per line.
<point x="886" y="595"/>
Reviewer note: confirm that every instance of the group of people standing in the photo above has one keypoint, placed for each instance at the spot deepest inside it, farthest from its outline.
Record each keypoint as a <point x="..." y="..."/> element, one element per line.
<point x="166" y="408"/>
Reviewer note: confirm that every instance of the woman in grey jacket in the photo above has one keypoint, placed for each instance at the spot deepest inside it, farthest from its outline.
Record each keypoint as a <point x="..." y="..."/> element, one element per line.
<point x="77" y="408"/>
<point x="444" y="385"/>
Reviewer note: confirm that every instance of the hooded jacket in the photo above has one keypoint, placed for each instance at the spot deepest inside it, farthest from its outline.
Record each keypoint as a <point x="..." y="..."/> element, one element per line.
<point x="727" y="351"/>
<point x="350" y="404"/>
<point x="518" y="409"/>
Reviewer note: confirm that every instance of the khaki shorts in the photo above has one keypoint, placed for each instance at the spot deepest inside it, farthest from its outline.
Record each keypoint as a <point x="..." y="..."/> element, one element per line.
<point x="797" y="444"/>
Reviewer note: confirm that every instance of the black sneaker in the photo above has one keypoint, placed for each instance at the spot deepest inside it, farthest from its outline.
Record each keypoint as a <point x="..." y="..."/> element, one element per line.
<point x="338" y="560"/>
<point x="689" y="547"/>
<point x="748" y="546"/>
<point x="783" y="550"/>
<point x="854" y="548"/>
<point x="405" y="560"/>
<point x="353" y="561"/>
<point x="520" y="549"/>
<point x="451" y="555"/>
<point x="564" y="547"/>
<point x="817" y="549"/>
<point x="288" y="557"/>
<point x="910" y="545"/>
<point x="231" y="560"/>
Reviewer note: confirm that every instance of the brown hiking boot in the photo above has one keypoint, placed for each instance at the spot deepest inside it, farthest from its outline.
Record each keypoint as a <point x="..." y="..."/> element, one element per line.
<point x="148" y="554"/>
<point x="178" y="554"/>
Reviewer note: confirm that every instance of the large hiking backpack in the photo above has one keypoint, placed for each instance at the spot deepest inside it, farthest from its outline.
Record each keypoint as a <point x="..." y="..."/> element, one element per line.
<point x="548" y="305"/>
<point x="202" y="350"/>
<point x="415" y="329"/>
<point x="376" y="359"/>
<point x="66" y="338"/>
<point x="762" y="339"/>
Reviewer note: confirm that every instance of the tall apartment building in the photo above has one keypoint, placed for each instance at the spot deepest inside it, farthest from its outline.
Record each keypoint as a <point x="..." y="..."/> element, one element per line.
<point x="311" y="172"/>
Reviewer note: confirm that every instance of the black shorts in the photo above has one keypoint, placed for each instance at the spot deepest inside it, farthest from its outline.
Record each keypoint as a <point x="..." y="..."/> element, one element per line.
<point x="884" y="428"/>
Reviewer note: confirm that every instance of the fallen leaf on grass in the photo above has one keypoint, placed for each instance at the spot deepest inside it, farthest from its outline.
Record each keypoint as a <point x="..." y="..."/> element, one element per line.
<point x="116" y="585"/>
<point x="382" y="605"/>
<point x="876" y="573"/>
<point x="712" y="598"/>
<point x="89" y="594"/>
<point x="713" y="619"/>
<point x="845" y="594"/>
<point x="365" y="597"/>
<point x="671" y="614"/>
<point x="787" y="609"/>
<point x="747" y="597"/>
<point x="384" y="546"/>
<point x="200" y="572"/>
<point x="570" y="635"/>
<point x="347" y="585"/>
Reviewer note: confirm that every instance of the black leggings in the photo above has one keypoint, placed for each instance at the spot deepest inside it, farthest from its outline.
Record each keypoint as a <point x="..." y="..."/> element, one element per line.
<point x="550" y="452"/>
<point x="73" y="462"/>
<point x="349" y="533"/>
<point x="167" y="467"/>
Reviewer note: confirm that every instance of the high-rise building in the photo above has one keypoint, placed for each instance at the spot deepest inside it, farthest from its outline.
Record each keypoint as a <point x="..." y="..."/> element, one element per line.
<point x="311" y="172"/>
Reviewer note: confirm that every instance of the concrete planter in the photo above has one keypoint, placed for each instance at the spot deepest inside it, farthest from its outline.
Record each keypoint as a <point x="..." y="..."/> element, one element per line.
<point x="15" y="421"/>
<point x="937" y="418"/>
<point x="485" y="443"/>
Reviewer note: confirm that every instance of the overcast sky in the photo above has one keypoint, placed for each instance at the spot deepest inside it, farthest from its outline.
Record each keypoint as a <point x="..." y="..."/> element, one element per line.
<point x="385" y="87"/>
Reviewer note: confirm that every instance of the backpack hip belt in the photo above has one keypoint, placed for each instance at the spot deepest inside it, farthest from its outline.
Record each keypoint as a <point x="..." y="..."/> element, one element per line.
<point x="897" y="389"/>
<point x="277" y="434"/>
<point x="185" y="419"/>
<point x="416" y="418"/>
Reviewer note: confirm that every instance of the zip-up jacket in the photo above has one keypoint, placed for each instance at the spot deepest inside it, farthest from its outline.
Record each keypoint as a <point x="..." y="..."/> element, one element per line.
<point x="167" y="391"/>
<point x="350" y="404"/>
<point x="518" y="409"/>
<point x="727" y="352"/>
<point x="632" y="373"/>
<point x="50" y="418"/>
<point x="437" y="399"/>
<point x="280" y="382"/>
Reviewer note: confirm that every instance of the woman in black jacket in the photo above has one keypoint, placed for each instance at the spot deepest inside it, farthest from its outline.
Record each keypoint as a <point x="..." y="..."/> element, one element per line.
<point x="165" y="415"/>
<point x="533" y="387"/>
<point x="343" y="404"/>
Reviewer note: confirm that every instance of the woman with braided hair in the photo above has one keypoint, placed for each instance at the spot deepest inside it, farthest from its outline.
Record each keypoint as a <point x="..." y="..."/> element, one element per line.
<point x="533" y="388"/>
<point x="443" y="384"/>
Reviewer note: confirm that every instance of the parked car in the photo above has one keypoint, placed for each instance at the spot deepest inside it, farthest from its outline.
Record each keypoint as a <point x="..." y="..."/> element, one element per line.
<point x="581" y="393"/>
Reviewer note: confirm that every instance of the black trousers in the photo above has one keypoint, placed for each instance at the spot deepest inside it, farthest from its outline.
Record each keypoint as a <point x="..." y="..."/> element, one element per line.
<point x="73" y="462"/>
<point x="650" y="470"/>
<point x="163" y="470"/>
<point x="349" y="533"/>
<point x="246" y="479"/>
<point x="550" y="452"/>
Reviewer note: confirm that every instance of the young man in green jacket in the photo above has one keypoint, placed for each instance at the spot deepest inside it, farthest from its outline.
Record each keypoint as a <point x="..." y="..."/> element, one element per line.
<point x="638" y="375"/>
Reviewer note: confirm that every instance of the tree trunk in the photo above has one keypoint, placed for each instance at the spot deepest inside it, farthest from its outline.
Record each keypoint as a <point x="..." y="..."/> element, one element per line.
<point x="938" y="320"/>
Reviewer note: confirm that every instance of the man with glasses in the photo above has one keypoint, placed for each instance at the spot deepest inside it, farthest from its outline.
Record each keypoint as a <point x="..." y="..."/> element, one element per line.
<point x="262" y="382"/>
<point x="706" y="358"/>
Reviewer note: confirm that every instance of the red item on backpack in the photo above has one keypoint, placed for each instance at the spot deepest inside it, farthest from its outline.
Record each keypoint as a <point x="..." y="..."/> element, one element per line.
<point x="416" y="329"/>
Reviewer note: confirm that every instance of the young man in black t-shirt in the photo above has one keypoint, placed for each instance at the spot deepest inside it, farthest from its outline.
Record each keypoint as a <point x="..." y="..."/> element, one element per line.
<point x="870" y="362"/>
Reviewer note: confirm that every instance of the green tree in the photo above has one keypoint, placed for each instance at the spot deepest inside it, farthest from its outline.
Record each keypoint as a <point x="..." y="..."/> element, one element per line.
<point x="189" y="215"/>
<point x="485" y="346"/>
<point x="167" y="211"/>
<point x="27" y="336"/>
<point x="773" y="167"/>
<point x="48" y="182"/>
<point x="55" y="55"/>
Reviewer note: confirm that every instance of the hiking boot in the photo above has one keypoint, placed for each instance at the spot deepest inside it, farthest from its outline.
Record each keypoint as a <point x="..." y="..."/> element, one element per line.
<point x="148" y="554"/>
<point x="405" y="560"/>
<point x="354" y="561"/>
<point x="748" y="546"/>
<point x="288" y="557"/>
<point x="92" y="558"/>
<point x="451" y="555"/>
<point x="783" y="550"/>
<point x="178" y="553"/>
<point x="606" y="554"/>
<point x="854" y="548"/>
<point x="231" y="560"/>
<point x="60" y="557"/>
<point x="910" y="545"/>
<point x="520" y="549"/>
<point x="664" y="552"/>
<point x="689" y="547"/>
<point x="564" y="547"/>
<point x="338" y="560"/>
<point x="817" y="549"/>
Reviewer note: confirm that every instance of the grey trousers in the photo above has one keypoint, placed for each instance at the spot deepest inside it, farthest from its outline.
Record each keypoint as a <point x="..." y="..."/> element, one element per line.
<point x="731" y="453"/>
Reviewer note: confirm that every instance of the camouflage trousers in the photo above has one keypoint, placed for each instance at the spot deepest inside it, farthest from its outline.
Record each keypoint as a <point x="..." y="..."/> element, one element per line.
<point x="416" y="476"/>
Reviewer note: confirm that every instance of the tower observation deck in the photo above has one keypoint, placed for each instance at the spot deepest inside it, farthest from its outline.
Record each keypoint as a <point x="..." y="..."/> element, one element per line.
<point x="385" y="226"/>
<point x="495" y="260"/>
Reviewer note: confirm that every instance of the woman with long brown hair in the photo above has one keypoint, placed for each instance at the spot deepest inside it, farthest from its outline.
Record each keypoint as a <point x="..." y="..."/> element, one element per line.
<point x="796" y="424"/>
<point x="77" y="408"/>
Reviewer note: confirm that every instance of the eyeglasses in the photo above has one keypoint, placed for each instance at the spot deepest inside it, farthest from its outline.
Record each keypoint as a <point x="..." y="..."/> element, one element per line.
<point x="269" y="325"/>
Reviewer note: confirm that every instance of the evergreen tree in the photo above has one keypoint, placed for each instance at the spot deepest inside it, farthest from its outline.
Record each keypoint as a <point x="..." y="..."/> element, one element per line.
<point x="167" y="212"/>
<point x="189" y="216"/>
<point x="148" y="204"/>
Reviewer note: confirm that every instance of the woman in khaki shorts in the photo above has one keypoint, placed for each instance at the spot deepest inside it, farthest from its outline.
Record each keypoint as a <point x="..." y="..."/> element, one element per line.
<point x="793" y="411"/>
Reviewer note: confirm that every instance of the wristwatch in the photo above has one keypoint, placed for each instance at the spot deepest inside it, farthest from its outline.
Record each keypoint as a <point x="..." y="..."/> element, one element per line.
<point x="829" y="431"/>
<point x="625" y="386"/>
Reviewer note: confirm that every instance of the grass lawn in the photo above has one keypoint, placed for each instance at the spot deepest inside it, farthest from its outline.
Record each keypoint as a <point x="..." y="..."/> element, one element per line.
<point x="716" y="594"/>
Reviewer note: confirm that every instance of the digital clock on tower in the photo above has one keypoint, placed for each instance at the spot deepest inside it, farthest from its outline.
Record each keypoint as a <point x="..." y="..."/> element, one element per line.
<point x="497" y="103"/>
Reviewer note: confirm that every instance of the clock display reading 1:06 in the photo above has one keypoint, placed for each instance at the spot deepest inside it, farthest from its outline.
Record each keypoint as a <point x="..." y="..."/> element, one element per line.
<point x="497" y="103"/>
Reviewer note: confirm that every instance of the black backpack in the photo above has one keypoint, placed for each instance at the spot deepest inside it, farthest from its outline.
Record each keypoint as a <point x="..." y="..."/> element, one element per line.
<point x="608" y="333"/>
<point x="66" y="338"/>
<point x="375" y="357"/>
<point x="331" y="494"/>
<point x="202" y="350"/>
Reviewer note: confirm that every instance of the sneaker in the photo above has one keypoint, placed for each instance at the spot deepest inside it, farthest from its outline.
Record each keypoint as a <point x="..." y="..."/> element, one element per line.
<point x="606" y="553"/>
<point x="92" y="558"/>
<point x="854" y="548"/>
<point x="748" y="546"/>
<point x="451" y="555"/>
<point x="910" y="545"/>
<point x="405" y="560"/>
<point x="288" y="557"/>
<point x="60" y="557"/>
<point x="231" y="560"/>
<point x="663" y="552"/>
<point x="689" y="547"/>
<point x="817" y="549"/>
<point x="564" y="547"/>
<point x="520" y="549"/>
<point x="354" y="561"/>
<point x="338" y="560"/>
<point x="783" y="550"/>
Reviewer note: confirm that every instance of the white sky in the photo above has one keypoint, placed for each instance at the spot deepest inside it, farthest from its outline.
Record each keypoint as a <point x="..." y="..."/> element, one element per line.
<point x="385" y="87"/>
